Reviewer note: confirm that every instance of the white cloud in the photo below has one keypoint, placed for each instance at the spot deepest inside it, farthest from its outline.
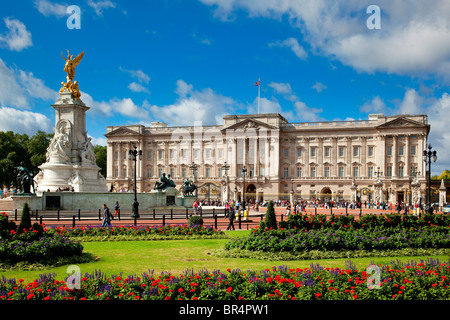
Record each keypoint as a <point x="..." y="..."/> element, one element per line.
<point x="138" y="74"/>
<point x="99" y="6"/>
<point x="48" y="8"/>
<point x="319" y="86"/>
<point x="136" y="87"/>
<point x="18" y="37"/>
<point x="124" y="106"/>
<point x="302" y="111"/>
<point x="376" y="105"/>
<point x="101" y="141"/>
<point x="19" y="88"/>
<point x="293" y="44"/>
<point x="281" y="88"/>
<point x="21" y="121"/>
<point x="36" y="88"/>
<point x="192" y="105"/>
<point x="414" y="38"/>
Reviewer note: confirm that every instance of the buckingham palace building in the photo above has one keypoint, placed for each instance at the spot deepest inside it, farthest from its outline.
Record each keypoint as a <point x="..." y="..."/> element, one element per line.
<point x="266" y="157"/>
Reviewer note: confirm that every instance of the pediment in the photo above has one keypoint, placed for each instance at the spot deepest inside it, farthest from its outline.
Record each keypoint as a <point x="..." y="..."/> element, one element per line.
<point x="401" y="122"/>
<point x="122" y="131"/>
<point x="249" y="125"/>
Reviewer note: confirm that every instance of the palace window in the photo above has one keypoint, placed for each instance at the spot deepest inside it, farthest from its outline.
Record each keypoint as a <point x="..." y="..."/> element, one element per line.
<point x="355" y="172"/>
<point x="370" y="172"/>
<point x="327" y="151"/>
<point x="389" y="171"/>
<point x="299" y="172"/>
<point x="327" y="172"/>
<point x="313" y="152"/>
<point x="341" y="172"/>
<point x="341" y="151"/>
<point x="389" y="150"/>
<point x="313" y="172"/>
<point x="370" y="151"/>
<point x="355" y="151"/>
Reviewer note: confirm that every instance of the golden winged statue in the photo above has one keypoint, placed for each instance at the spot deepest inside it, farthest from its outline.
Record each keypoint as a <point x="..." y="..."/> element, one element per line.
<point x="69" y="68"/>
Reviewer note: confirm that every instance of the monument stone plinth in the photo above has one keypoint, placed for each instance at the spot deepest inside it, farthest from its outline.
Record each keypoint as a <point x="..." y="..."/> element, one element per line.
<point x="70" y="159"/>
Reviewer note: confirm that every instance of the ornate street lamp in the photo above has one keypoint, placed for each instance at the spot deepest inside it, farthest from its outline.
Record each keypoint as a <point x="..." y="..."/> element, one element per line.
<point x="193" y="168"/>
<point x="427" y="155"/>
<point x="244" y="173"/>
<point x="226" y="167"/>
<point x="133" y="155"/>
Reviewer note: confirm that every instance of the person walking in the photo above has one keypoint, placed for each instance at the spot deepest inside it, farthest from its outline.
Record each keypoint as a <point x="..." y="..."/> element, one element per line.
<point x="106" y="217"/>
<point x="231" y="217"/>
<point x="116" y="208"/>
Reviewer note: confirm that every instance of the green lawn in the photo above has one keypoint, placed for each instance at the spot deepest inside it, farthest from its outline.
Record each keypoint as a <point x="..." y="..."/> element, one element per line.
<point x="175" y="256"/>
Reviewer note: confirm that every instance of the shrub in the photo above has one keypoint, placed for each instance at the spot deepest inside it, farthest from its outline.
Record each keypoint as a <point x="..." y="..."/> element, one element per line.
<point x="25" y="219"/>
<point x="195" y="220"/>
<point x="271" y="219"/>
<point x="6" y="227"/>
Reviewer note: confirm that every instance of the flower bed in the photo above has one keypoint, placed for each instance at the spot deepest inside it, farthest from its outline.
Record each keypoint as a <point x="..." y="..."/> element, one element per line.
<point x="34" y="244"/>
<point x="329" y="239"/>
<point x="367" y="221"/>
<point x="139" y="232"/>
<point x="424" y="280"/>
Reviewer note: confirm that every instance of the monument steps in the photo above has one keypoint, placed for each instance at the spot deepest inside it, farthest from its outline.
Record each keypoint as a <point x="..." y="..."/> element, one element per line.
<point x="6" y="205"/>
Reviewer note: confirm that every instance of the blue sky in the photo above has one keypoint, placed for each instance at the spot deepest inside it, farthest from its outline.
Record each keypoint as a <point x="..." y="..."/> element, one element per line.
<point x="197" y="60"/>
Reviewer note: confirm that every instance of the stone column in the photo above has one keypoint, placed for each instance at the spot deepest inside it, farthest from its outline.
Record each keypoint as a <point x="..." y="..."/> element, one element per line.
<point x="442" y="194"/>
<point x="394" y="156"/>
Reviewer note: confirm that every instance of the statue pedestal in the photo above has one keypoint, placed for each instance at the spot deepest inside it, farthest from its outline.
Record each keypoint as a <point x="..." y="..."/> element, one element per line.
<point x="70" y="156"/>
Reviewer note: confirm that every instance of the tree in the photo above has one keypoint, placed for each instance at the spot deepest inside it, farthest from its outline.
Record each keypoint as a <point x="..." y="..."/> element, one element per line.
<point x="271" y="219"/>
<point x="100" y="155"/>
<point x="25" y="219"/>
<point x="16" y="148"/>
<point x="445" y="175"/>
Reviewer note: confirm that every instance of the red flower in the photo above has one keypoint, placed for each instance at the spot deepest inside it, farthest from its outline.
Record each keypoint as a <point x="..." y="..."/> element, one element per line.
<point x="180" y="290"/>
<point x="229" y="289"/>
<point x="30" y="296"/>
<point x="318" y="294"/>
<point x="355" y="297"/>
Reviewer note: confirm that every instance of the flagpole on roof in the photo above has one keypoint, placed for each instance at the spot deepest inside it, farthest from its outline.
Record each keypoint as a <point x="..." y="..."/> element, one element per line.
<point x="258" y="83"/>
<point x="259" y="95"/>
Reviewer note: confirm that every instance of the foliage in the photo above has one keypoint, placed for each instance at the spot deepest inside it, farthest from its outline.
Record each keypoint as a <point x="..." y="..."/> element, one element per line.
<point x="33" y="243"/>
<point x="270" y="220"/>
<point x="424" y="280"/>
<point x="16" y="148"/>
<point x="25" y="219"/>
<point x="367" y="221"/>
<point x="195" y="220"/>
<point x="100" y="157"/>
<point x="328" y="239"/>
<point x="138" y="232"/>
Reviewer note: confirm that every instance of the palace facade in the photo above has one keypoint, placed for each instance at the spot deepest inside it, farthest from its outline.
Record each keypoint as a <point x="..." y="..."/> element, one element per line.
<point x="378" y="159"/>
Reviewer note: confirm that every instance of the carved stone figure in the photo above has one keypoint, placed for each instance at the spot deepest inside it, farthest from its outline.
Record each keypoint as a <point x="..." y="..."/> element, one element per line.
<point x="88" y="154"/>
<point x="164" y="183"/>
<point x="24" y="178"/>
<point x="188" y="188"/>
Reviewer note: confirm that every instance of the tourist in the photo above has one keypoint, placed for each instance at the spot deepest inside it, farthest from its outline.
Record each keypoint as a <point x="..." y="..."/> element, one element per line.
<point x="195" y="206"/>
<point x="116" y="208"/>
<point x="231" y="217"/>
<point x="106" y="217"/>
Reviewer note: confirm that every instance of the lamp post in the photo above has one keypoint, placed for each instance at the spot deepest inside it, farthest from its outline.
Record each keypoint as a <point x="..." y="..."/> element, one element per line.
<point x="427" y="155"/>
<point x="133" y="155"/>
<point x="225" y="167"/>
<point x="244" y="173"/>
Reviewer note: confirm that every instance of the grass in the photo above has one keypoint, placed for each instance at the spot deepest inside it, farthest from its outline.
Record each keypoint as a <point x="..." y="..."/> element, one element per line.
<point x="175" y="256"/>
